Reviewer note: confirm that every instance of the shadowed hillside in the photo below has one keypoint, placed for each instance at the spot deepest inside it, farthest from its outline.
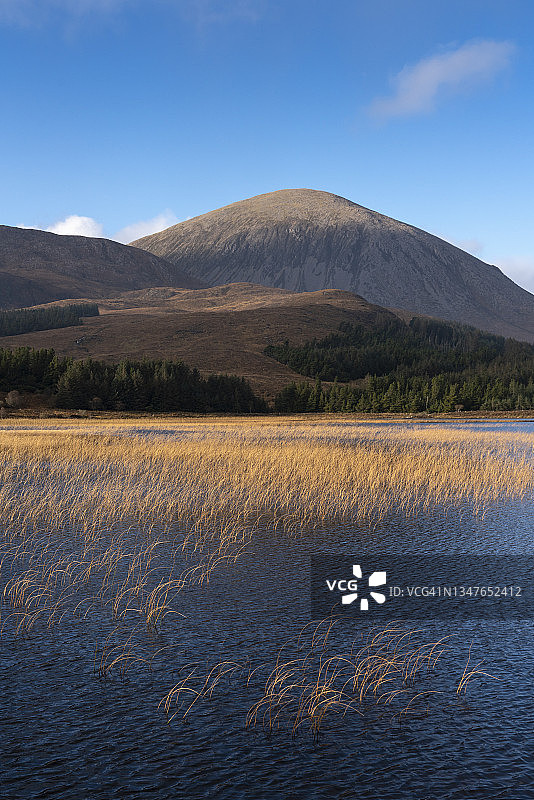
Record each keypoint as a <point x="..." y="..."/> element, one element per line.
<point x="39" y="267"/>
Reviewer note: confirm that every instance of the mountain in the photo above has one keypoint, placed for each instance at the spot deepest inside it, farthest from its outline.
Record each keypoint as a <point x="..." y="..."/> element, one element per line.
<point x="39" y="267"/>
<point x="221" y="329"/>
<point x="307" y="240"/>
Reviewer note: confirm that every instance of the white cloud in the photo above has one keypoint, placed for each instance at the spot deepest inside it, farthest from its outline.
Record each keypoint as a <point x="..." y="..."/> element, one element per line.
<point x="416" y="87"/>
<point x="519" y="269"/>
<point x="77" y="226"/>
<point x="145" y="227"/>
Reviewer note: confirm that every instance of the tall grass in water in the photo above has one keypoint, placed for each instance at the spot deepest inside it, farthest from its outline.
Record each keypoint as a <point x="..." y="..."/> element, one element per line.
<point x="96" y="519"/>
<point x="78" y="505"/>
<point x="281" y="475"/>
<point x="313" y="679"/>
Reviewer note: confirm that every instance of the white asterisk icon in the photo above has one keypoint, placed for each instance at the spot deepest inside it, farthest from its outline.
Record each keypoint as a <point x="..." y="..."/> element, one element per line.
<point x="375" y="579"/>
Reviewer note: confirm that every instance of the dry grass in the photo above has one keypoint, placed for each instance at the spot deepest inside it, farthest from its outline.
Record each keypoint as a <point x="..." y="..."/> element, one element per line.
<point x="389" y="672"/>
<point x="384" y="670"/>
<point x="290" y="475"/>
<point x="110" y="521"/>
<point x="84" y="500"/>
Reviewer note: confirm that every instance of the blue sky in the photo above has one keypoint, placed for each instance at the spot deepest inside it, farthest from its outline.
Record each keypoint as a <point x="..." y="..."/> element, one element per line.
<point x="124" y="116"/>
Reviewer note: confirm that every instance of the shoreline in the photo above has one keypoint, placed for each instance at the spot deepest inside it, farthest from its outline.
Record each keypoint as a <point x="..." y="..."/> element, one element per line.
<point x="298" y="418"/>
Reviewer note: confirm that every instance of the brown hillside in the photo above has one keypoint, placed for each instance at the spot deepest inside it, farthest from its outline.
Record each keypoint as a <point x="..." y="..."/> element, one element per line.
<point x="224" y="329"/>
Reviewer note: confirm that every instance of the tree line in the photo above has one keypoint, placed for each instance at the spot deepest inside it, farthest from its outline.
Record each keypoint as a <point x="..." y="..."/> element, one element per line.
<point x="426" y="365"/>
<point x="157" y="385"/>
<point x="412" y="395"/>
<point x="26" y="320"/>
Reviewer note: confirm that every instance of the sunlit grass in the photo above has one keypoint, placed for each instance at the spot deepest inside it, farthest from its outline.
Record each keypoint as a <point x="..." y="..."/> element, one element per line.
<point x="111" y="520"/>
<point x="95" y="501"/>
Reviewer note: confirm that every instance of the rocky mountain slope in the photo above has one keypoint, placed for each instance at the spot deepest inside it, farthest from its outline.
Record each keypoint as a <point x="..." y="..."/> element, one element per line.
<point x="307" y="240"/>
<point x="39" y="267"/>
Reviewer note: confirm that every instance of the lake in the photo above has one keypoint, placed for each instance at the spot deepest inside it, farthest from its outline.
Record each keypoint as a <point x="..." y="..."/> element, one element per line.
<point x="71" y="731"/>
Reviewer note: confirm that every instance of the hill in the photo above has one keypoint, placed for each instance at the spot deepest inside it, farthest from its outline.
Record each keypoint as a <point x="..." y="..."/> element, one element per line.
<point x="223" y="329"/>
<point x="306" y="240"/>
<point x="40" y="267"/>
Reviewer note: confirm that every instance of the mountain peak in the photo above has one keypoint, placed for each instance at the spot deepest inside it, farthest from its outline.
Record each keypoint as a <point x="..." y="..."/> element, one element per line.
<point x="308" y="239"/>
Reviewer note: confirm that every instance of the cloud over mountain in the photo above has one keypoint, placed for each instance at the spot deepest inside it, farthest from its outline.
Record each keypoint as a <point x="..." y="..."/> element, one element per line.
<point x="76" y="225"/>
<point x="145" y="227"/>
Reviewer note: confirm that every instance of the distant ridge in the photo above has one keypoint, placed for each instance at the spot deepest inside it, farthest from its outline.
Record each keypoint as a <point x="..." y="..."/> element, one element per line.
<point x="40" y="267"/>
<point x="306" y="240"/>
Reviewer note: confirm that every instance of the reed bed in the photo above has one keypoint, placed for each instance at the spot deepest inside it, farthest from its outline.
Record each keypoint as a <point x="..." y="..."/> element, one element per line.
<point x="78" y="506"/>
<point x="111" y="521"/>
<point x="388" y="672"/>
<point x="303" y="476"/>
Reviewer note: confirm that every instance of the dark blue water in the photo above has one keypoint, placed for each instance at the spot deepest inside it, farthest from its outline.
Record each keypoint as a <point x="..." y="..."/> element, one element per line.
<point x="68" y="733"/>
